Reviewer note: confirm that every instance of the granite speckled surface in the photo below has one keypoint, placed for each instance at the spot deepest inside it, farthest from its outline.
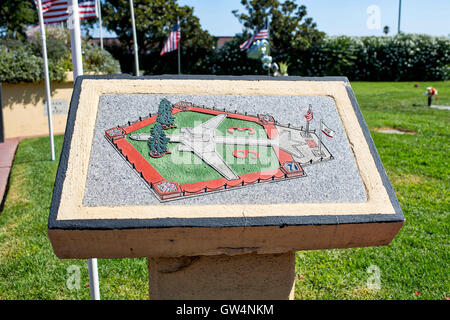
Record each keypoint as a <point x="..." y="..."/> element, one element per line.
<point x="112" y="182"/>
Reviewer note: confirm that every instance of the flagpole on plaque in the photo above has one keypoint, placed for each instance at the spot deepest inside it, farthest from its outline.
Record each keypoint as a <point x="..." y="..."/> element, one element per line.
<point x="179" y="47"/>
<point x="99" y="12"/>
<point x="133" y="23"/>
<point x="77" y="65"/>
<point x="47" y="81"/>
<point x="320" y="137"/>
<point x="307" y="123"/>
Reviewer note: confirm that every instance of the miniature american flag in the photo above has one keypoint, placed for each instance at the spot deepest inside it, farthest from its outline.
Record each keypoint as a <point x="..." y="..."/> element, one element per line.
<point x="309" y="114"/>
<point x="173" y="40"/>
<point x="261" y="34"/>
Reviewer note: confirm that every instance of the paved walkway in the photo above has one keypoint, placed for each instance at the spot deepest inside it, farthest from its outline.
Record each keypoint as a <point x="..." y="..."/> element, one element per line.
<point x="7" y="152"/>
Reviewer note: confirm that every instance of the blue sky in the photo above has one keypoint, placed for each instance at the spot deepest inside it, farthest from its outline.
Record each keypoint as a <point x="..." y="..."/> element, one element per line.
<point x="339" y="17"/>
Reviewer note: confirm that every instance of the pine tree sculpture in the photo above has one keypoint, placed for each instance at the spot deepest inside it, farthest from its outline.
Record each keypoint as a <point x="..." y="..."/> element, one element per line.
<point x="157" y="141"/>
<point x="165" y="117"/>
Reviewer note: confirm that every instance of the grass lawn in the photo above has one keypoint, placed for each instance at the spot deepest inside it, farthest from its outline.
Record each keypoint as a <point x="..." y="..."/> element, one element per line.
<point x="416" y="261"/>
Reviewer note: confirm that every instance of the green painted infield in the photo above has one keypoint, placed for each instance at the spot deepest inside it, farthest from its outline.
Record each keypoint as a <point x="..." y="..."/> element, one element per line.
<point x="186" y="167"/>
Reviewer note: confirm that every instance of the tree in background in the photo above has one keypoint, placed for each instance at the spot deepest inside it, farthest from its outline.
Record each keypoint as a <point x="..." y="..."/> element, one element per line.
<point x="154" y="21"/>
<point x="291" y="32"/>
<point x="16" y="16"/>
<point x="230" y="60"/>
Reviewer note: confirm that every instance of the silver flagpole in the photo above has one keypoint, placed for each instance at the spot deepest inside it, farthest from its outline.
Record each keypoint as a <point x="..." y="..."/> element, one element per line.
<point x="99" y="11"/>
<point x="75" y="40"/>
<point x="307" y="122"/>
<point x="136" y="58"/>
<point x="77" y="64"/>
<point x="47" y="81"/>
<point x="179" y="45"/>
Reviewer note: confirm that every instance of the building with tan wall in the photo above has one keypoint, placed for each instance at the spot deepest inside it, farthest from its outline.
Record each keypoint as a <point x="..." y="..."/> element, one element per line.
<point x="24" y="110"/>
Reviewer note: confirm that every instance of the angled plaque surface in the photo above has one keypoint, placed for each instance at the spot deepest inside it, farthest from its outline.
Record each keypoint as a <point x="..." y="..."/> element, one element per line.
<point x="172" y="166"/>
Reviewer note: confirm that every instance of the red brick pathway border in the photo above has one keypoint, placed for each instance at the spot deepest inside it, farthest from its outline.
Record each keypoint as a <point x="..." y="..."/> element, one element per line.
<point x="7" y="152"/>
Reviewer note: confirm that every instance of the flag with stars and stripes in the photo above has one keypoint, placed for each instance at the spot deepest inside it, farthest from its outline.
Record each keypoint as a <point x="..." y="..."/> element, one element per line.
<point x="87" y="9"/>
<point x="173" y="40"/>
<point x="261" y="34"/>
<point x="55" y="11"/>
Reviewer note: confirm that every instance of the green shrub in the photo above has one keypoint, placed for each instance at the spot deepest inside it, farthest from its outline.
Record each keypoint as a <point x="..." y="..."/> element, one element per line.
<point x="21" y="65"/>
<point x="405" y="57"/>
<point x="21" y="61"/>
<point x="230" y="60"/>
<point x="96" y="60"/>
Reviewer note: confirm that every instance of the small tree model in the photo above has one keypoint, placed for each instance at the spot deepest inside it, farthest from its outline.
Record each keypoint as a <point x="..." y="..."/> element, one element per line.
<point x="165" y="117"/>
<point x="157" y="141"/>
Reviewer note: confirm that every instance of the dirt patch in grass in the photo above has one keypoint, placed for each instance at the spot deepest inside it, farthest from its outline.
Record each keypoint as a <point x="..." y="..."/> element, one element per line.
<point x="16" y="182"/>
<point x="407" y="179"/>
<point x="389" y="130"/>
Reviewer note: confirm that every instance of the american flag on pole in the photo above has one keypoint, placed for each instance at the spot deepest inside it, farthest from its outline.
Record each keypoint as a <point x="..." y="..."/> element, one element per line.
<point x="261" y="34"/>
<point x="327" y="131"/>
<point x="56" y="11"/>
<point x="173" y="40"/>
<point x="309" y="114"/>
<point x="87" y="9"/>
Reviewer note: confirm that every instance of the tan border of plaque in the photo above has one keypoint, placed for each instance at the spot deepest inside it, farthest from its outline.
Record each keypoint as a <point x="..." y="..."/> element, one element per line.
<point x="77" y="170"/>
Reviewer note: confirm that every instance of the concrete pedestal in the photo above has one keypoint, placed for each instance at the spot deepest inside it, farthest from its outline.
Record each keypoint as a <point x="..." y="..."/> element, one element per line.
<point x="247" y="276"/>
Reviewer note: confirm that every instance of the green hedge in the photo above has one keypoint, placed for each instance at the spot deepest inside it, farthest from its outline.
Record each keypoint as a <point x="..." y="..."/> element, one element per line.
<point x="404" y="57"/>
<point x="98" y="61"/>
<point x="22" y="61"/>
<point x="22" y="65"/>
<point x="230" y="60"/>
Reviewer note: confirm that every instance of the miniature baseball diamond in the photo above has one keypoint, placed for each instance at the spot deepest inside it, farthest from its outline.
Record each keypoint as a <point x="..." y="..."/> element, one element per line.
<point x="196" y="150"/>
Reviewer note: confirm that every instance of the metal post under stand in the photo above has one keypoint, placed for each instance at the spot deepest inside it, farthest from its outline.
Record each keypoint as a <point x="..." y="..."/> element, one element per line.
<point x="77" y="66"/>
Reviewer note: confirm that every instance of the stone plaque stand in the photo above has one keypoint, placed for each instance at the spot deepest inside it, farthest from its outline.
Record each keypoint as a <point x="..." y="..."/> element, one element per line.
<point x="235" y="240"/>
<point x="248" y="276"/>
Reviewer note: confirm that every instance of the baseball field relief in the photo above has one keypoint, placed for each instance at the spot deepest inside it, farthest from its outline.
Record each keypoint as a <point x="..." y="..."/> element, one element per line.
<point x="187" y="150"/>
